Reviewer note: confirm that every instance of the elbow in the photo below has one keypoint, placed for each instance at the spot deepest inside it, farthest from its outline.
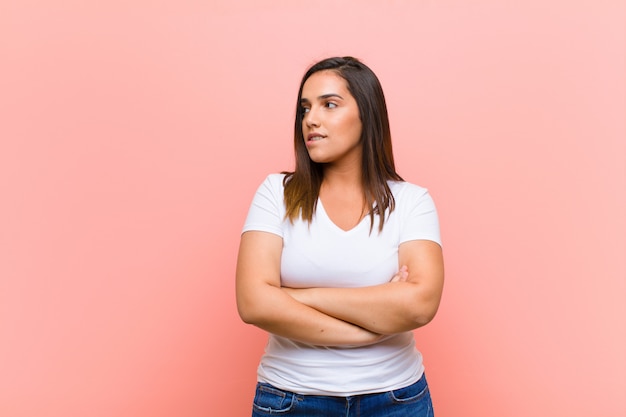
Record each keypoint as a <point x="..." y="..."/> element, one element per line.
<point x="257" y="306"/>
<point x="422" y="318"/>
<point x="255" y="312"/>
<point x="424" y="311"/>
<point x="247" y="312"/>
<point x="248" y="315"/>
<point x="423" y="302"/>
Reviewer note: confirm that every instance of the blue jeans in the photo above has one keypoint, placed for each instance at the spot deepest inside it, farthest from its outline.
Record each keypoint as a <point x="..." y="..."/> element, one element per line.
<point x="413" y="401"/>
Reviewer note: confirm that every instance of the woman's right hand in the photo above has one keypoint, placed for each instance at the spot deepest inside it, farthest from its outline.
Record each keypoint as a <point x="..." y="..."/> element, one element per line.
<point x="401" y="276"/>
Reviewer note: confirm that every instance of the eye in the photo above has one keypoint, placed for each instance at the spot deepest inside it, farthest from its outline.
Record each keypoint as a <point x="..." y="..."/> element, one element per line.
<point x="331" y="105"/>
<point x="304" y="110"/>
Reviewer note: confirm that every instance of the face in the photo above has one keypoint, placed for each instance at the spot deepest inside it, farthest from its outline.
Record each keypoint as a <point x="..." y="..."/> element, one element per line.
<point x="331" y="125"/>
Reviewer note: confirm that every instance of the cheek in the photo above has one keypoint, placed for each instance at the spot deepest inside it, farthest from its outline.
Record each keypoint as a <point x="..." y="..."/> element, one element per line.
<point x="356" y="127"/>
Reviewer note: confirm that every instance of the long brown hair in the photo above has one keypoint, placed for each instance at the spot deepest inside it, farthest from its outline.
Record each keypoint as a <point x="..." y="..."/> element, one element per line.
<point x="303" y="185"/>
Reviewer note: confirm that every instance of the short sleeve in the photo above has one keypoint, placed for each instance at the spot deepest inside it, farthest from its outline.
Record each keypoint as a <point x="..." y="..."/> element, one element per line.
<point x="420" y="220"/>
<point x="266" y="212"/>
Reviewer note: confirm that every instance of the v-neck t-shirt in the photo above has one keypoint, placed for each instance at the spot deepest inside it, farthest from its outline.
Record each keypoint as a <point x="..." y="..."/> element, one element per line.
<point x="321" y="254"/>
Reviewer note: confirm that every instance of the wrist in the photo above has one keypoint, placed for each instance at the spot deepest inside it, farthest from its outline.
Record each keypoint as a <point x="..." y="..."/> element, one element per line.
<point x="299" y="294"/>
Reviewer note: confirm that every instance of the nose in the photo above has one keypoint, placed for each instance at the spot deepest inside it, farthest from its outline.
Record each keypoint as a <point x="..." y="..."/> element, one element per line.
<point x="311" y="118"/>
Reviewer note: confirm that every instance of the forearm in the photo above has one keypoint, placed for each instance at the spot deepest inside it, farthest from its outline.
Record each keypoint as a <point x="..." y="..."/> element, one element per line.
<point x="262" y="302"/>
<point x="272" y="309"/>
<point x="386" y="309"/>
<point x="410" y="300"/>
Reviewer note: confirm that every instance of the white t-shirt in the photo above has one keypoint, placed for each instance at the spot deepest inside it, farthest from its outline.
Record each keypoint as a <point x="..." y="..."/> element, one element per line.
<point x="323" y="255"/>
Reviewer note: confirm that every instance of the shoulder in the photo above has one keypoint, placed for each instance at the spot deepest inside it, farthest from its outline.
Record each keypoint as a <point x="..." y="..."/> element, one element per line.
<point x="405" y="191"/>
<point x="273" y="184"/>
<point x="267" y="209"/>
<point x="274" y="180"/>
<point x="416" y="211"/>
<point x="411" y="198"/>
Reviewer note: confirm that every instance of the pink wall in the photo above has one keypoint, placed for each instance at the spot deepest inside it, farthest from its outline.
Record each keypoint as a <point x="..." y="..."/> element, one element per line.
<point x="134" y="135"/>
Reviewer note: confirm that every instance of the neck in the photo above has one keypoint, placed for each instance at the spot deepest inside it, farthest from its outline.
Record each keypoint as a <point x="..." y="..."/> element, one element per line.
<point x="344" y="176"/>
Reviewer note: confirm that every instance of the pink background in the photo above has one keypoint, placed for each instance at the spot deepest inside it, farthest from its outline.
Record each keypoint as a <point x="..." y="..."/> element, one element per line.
<point x="133" y="137"/>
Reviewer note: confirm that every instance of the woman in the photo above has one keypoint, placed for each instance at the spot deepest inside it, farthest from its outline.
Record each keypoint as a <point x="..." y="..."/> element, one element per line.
<point x="340" y="260"/>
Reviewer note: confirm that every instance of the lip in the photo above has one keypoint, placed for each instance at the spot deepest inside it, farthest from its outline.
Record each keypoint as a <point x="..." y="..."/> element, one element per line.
<point x="311" y="137"/>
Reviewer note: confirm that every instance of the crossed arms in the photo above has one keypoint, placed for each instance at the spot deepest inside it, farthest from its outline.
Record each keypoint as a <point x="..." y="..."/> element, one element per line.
<point x="337" y="316"/>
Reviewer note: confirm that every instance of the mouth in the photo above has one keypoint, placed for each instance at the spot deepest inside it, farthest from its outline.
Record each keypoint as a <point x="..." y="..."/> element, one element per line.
<point x="313" y="137"/>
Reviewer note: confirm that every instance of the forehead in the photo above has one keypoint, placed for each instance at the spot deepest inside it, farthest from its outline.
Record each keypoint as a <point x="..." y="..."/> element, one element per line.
<point x="324" y="82"/>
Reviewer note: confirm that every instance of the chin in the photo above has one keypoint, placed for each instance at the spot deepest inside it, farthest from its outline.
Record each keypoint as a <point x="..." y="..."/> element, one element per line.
<point x="318" y="159"/>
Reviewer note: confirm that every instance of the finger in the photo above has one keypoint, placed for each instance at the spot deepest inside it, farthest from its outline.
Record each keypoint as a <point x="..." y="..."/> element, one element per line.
<point x="397" y="277"/>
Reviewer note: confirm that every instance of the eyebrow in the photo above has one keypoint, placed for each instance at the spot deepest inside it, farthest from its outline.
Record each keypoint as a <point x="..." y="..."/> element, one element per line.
<point x="322" y="97"/>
